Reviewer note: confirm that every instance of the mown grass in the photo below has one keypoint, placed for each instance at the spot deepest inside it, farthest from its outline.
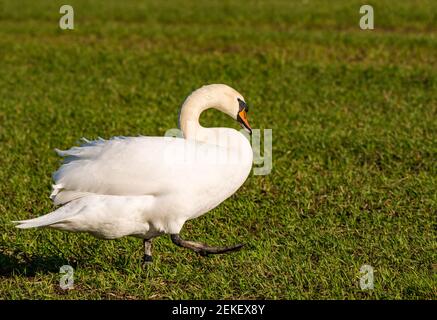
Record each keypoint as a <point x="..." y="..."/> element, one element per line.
<point x="354" y="125"/>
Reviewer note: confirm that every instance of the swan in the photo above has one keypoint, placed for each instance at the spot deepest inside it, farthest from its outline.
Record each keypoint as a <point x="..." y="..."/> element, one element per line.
<point x="149" y="186"/>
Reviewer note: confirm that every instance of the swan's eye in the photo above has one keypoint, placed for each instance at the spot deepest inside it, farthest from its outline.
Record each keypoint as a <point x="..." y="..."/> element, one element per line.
<point x="243" y="105"/>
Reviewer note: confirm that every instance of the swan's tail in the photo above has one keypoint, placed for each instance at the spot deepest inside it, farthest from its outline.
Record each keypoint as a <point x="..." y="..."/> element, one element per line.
<point x="61" y="214"/>
<point x="104" y="216"/>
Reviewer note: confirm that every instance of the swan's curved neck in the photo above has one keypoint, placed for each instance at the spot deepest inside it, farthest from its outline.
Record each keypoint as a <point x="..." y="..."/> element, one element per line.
<point x="189" y="120"/>
<point x="189" y="115"/>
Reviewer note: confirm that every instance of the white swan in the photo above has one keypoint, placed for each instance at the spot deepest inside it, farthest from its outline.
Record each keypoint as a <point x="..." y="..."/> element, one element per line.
<point x="149" y="186"/>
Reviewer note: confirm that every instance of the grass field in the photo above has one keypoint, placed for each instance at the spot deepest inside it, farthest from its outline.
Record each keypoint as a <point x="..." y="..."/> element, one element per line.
<point x="354" y="120"/>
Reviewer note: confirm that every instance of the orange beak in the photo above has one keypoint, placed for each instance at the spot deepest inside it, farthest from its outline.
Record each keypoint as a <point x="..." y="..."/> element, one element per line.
<point x="242" y="119"/>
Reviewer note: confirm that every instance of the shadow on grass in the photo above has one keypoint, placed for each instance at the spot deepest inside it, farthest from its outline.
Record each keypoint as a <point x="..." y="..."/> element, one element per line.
<point x="16" y="263"/>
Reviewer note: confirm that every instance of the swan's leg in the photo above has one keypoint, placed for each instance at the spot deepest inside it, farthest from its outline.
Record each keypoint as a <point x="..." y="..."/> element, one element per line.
<point x="147" y="251"/>
<point x="201" y="248"/>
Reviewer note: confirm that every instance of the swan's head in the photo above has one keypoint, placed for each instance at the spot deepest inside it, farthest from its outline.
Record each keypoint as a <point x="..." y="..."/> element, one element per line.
<point x="231" y="102"/>
<point x="218" y="96"/>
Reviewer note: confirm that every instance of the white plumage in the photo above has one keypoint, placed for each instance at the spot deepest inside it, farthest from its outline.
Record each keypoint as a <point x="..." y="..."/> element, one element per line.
<point x="147" y="186"/>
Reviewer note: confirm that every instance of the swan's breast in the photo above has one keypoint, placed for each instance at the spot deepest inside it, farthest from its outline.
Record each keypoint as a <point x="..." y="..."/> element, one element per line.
<point x="218" y="175"/>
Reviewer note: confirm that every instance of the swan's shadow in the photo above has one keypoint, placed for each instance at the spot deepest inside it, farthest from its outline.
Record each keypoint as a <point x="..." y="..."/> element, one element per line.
<point x="12" y="264"/>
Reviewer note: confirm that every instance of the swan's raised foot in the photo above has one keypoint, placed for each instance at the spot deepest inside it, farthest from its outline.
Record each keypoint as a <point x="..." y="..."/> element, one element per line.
<point x="201" y="248"/>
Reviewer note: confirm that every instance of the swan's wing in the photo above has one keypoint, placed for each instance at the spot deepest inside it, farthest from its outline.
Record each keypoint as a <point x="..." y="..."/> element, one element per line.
<point x="119" y="166"/>
<point x="138" y="166"/>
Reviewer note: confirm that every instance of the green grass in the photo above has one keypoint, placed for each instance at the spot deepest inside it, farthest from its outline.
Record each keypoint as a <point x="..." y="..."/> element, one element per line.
<point x="354" y="125"/>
